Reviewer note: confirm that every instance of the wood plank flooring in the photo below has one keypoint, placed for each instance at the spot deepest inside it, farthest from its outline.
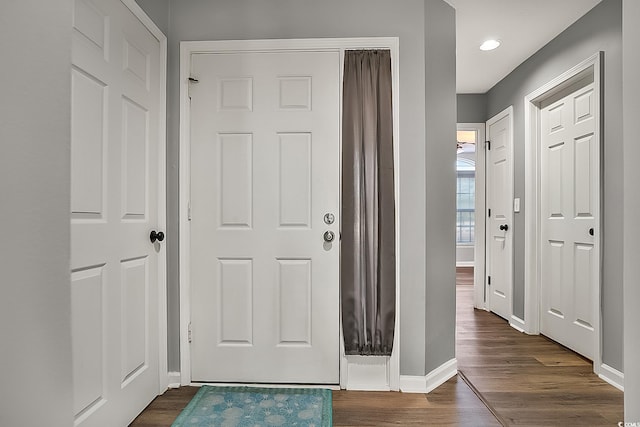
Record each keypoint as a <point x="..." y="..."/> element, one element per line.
<point x="526" y="380"/>
<point x="530" y="380"/>
<point x="452" y="404"/>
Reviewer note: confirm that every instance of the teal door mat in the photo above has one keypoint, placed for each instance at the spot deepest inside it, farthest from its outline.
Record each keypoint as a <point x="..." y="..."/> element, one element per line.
<point x="252" y="407"/>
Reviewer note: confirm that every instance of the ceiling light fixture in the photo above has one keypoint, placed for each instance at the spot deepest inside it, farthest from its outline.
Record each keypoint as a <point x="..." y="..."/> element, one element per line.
<point x="489" y="45"/>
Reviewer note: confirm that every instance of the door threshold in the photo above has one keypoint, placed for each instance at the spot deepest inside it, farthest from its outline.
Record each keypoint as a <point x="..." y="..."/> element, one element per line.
<point x="268" y="385"/>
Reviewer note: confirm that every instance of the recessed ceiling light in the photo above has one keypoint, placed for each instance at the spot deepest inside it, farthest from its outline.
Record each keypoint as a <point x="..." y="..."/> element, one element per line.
<point x="489" y="45"/>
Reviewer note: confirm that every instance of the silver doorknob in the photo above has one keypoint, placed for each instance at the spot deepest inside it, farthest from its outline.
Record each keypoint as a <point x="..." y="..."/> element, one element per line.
<point x="329" y="236"/>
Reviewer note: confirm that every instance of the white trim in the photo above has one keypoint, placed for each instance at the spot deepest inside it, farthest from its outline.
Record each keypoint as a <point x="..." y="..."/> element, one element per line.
<point x="184" y="170"/>
<point x="517" y="323"/>
<point x="441" y="374"/>
<point x="183" y="215"/>
<point x="466" y="264"/>
<point x="480" y="208"/>
<point x="174" y="380"/>
<point x="507" y="112"/>
<point x="325" y="386"/>
<point x="612" y="376"/>
<point x="413" y="384"/>
<point x="321" y="44"/>
<point x="367" y="373"/>
<point x="137" y="11"/>
<point x="394" y="361"/>
<point x="532" y="197"/>
<point x="431" y="381"/>
<point x="188" y="48"/>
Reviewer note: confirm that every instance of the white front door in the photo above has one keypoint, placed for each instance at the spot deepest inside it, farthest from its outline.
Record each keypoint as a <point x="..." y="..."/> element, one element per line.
<point x="499" y="222"/>
<point x="264" y="172"/>
<point x="115" y="85"/>
<point x="569" y="264"/>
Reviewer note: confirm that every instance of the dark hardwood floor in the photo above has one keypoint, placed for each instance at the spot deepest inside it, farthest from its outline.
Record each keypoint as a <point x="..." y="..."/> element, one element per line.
<point x="525" y="380"/>
<point x="452" y="404"/>
<point x="530" y="380"/>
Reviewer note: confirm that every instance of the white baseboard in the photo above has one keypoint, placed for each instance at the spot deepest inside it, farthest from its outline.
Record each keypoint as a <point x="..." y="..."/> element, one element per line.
<point x="465" y="264"/>
<point x="174" y="380"/>
<point x="612" y="376"/>
<point x="413" y="384"/>
<point x="441" y="374"/>
<point x="517" y="323"/>
<point x="431" y="381"/>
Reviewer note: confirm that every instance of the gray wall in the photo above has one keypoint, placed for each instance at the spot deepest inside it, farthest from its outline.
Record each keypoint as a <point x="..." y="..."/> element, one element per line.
<point x="465" y="254"/>
<point x="259" y="19"/>
<point x="158" y="11"/>
<point x="631" y="100"/>
<point x="472" y="108"/>
<point x="440" y="59"/>
<point x="598" y="30"/>
<point x="35" y="130"/>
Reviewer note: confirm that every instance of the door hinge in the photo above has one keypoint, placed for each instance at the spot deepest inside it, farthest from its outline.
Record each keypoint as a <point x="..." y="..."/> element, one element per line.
<point x="488" y="283"/>
<point x="189" y="333"/>
<point x="192" y="80"/>
<point x="189" y="210"/>
<point x="487" y="144"/>
<point x="489" y="213"/>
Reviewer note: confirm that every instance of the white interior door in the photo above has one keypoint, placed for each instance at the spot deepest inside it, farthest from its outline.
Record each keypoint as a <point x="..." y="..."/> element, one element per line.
<point x="499" y="222"/>
<point x="264" y="172"/>
<point x="569" y="262"/>
<point x="115" y="82"/>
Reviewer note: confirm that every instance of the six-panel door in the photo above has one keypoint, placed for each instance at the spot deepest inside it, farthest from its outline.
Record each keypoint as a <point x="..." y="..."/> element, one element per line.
<point x="115" y="83"/>
<point x="264" y="172"/>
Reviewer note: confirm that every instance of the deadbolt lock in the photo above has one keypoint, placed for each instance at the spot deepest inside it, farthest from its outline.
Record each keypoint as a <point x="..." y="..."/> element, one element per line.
<point x="329" y="218"/>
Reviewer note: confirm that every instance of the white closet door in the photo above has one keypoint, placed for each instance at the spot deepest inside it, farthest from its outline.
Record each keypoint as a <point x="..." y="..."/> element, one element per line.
<point x="499" y="223"/>
<point x="569" y="205"/>
<point x="115" y="82"/>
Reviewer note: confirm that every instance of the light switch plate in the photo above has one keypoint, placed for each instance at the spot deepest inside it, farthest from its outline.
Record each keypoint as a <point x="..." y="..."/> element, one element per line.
<point x="516" y="204"/>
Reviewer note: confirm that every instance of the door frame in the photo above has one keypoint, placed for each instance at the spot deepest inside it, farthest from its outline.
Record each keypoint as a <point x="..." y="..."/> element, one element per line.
<point x="514" y="321"/>
<point x="384" y="372"/>
<point x="142" y="16"/>
<point x="480" y="209"/>
<point x="533" y="193"/>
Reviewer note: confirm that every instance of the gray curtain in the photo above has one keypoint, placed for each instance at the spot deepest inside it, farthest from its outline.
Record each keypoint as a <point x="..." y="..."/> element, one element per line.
<point x="368" y="215"/>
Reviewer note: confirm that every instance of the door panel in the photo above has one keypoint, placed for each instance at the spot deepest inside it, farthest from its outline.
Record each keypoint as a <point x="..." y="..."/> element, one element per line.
<point x="115" y="82"/>
<point x="87" y="287"/>
<point x="569" y="199"/>
<point x="499" y="202"/>
<point x="264" y="171"/>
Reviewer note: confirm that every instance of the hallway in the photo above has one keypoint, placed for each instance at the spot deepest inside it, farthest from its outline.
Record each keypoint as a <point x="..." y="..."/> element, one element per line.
<point x="524" y="381"/>
<point x="528" y="380"/>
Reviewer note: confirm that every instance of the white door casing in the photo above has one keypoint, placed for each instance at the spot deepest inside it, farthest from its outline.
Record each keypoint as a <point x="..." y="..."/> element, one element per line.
<point x="568" y="208"/>
<point x="534" y="194"/>
<point x="386" y="372"/>
<point x="117" y="160"/>
<point x="264" y="172"/>
<point x="499" y="219"/>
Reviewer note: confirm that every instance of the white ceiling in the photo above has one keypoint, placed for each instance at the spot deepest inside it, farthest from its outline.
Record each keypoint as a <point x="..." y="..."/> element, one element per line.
<point x="523" y="27"/>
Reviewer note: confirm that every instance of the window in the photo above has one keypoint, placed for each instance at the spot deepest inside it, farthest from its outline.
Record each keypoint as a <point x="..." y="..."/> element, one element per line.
<point x="465" y="200"/>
